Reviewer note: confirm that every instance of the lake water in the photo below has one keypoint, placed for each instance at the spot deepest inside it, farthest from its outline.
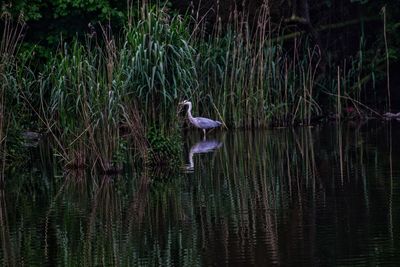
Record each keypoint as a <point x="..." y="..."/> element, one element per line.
<point x="320" y="196"/>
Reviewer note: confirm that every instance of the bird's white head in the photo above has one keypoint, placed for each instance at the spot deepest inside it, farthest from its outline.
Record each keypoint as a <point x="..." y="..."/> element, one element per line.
<point x="185" y="102"/>
<point x="188" y="104"/>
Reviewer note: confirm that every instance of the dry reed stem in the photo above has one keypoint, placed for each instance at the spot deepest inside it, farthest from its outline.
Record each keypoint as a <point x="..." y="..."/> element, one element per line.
<point x="387" y="58"/>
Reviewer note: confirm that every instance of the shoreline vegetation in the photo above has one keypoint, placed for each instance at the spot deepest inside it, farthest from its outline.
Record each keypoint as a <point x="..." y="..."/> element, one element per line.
<point x="109" y="97"/>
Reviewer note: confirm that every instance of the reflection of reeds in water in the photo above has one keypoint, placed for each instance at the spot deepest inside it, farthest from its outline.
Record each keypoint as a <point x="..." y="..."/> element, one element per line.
<point x="96" y="218"/>
<point x="283" y="194"/>
<point x="2" y="137"/>
<point x="114" y="217"/>
<point x="104" y="217"/>
<point x="7" y="246"/>
<point x="275" y="188"/>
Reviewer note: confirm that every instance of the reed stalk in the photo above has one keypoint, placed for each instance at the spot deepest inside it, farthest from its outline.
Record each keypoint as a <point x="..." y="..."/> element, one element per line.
<point x="339" y="104"/>
<point x="387" y="58"/>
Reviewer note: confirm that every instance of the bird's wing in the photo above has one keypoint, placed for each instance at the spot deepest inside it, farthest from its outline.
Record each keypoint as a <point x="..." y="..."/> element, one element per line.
<point x="206" y="123"/>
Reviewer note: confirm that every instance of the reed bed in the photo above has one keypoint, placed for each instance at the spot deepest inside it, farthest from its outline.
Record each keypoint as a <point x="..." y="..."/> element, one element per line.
<point x="93" y="93"/>
<point x="238" y="73"/>
<point x="258" y="84"/>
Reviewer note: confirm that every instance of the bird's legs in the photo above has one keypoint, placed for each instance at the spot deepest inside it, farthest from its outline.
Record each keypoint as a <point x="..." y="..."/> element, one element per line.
<point x="204" y="136"/>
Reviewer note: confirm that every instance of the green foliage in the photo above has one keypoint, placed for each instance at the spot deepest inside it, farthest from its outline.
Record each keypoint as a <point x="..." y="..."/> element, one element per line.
<point x="103" y="7"/>
<point x="164" y="151"/>
<point x="120" y="154"/>
<point x="36" y="10"/>
<point x="31" y="10"/>
<point x="16" y="149"/>
<point x="67" y="19"/>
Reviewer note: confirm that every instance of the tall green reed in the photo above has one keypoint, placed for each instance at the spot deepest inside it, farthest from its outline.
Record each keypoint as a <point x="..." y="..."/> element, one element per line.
<point x="90" y="93"/>
<point x="82" y="101"/>
<point x="255" y="81"/>
<point x="159" y="64"/>
<point x="11" y="39"/>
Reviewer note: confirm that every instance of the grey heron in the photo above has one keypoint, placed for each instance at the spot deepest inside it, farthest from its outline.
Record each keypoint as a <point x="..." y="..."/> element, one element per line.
<point x="200" y="122"/>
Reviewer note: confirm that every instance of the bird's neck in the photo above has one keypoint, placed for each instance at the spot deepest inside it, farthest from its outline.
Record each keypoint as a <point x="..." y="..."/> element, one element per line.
<point x="189" y="112"/>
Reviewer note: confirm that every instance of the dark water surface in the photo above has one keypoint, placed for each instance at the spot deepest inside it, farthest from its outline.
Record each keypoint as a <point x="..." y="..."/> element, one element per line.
<point x="322" y="196"/>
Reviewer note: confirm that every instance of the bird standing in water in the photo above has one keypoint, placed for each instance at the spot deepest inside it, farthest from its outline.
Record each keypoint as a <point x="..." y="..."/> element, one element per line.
<point x="200" y="122"/>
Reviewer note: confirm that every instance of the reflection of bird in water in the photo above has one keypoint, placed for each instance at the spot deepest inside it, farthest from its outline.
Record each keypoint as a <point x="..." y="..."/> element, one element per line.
<point x="205" y="146"/>
<point x="200" y="122"/>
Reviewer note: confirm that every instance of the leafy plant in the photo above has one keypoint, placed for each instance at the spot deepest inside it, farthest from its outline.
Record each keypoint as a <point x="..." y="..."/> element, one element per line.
<point x="164" y="151"/>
